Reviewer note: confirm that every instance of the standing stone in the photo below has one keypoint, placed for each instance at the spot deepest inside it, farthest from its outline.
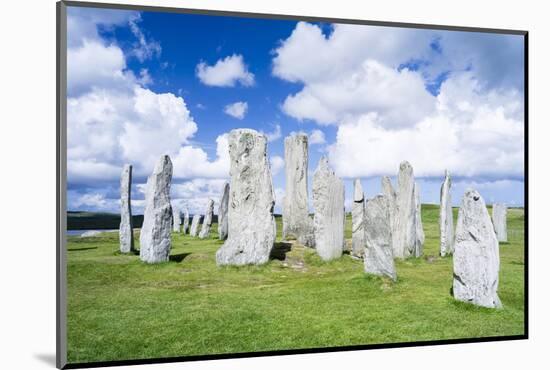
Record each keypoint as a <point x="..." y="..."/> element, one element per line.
<point x="176" y="215"/>
<point x="420" y="237"/>
<point x="405" y="218"/>
<point x="251" y="224"/>
<point x="391" y="196"/>
<point x="358" y="220"/>
<point x="195" y="225"/>
<point x="125" y="231"/>
<point x="296" y="221"/>
<point x="222" y="213"/>
<point x="499" y="221"/>
<point x="476" y="255"/>
<point x="155" y="238"/>
<point x="446" y="231"/>
<point x="185" y="228"/>
<point x="329" y="217"/>
<point x="378" y="259"/>
<point x="207" y="221"/>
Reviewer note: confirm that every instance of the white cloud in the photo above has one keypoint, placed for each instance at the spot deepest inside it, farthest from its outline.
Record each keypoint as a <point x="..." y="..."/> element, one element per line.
<point x="273" y="135"/>
<point x="226" y="72"/>
<point x="114" y="119"/>
<point x="372" y="83"/>
<point x="475" y="134"/>
<point x="143" y="49"/>
<point x="97" y="201"/>
<point x="194" y="194"/>
<point x="237" y="110"/>
<point x="279" y="196"/>
<point x="144" y="77"/>
<point x="277" y="164"/>
<point x="317" y="137"/>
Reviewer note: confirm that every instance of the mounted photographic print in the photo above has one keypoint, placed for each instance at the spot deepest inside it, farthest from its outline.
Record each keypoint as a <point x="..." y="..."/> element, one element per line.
<point x="236" y="185"/>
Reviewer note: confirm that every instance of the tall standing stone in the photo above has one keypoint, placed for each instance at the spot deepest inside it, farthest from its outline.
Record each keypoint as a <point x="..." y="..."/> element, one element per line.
<point x="155" y="238"/>
<point x="420" y="237"/>
<point x="391" y="196"/>
<point x="358" y="220"/>
<point x="476" y="255"/>
<point x="329" y="217"/>
<point x="296" y="221"/>
<point x="185" y="228"/>
<point x="251" y="224"/>
<point x="378" y="259"/>
<point x="195" y="223"/>
<point x="446" y="230"/>
<point x="499" y="221"/>
<point x="405" y="219"/>
<point x="126" y="232"/>
<point x="207" y="221"/>
<point x="222" y="213"/>
<point x="176" y="216"/>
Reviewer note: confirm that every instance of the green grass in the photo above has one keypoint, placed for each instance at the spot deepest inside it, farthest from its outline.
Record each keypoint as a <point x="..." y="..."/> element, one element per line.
<point x="120" y="308"/>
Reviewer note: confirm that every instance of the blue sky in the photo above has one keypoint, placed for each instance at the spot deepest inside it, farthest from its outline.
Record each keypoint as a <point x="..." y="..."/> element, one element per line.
<point x="144" y="84"/>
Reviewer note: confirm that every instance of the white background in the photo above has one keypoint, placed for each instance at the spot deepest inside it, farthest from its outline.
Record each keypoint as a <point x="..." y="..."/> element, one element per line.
<point x="27" y="186"/>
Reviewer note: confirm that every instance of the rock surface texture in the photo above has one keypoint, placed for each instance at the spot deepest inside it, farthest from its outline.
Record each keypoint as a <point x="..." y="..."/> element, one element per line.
<point x="125" y="231"/>
<point x="296" y="221"/>
<point x="391" y="196"/>
<point x="185" y="227"/>
<point x="476" y="256"/>
<point x="446" y="227"/>
<point x="420" y="237"/>
<point x="378" y="254"/>
<point x="358" y="220"/>
<point x="405" y="241"/>
<point x="251" y="224"/>
<point x="176" y="216"/>
<point x="500" y="212"/>
<point x="222" y="213"/>
<point x="155" y="238"/>
<point x="207" y="221"/>
<point x="329" y="216"/>
<point x="195" y="223"/>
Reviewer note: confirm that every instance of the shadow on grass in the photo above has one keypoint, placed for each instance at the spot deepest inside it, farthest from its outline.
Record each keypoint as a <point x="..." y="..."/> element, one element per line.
<point x="178" y="257"/>
<point x="80" y="249"/>
<point x="279" y="251"/>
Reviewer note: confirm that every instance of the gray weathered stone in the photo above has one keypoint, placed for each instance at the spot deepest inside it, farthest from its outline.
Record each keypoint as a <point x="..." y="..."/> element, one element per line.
<point x="476" y="255"/>
<point x="195" y="223"/>
<point x="251" y="224"/>
<point x="222" y="213"/>
<point x="378" y="253"/>
<point x="499" y="221"/>
<point x="176" y="216"/>
<point x="446" y="227"/>
<point x="420" y="238"/>
<point x="329" y="216"/>
<point x="125" y="230"/>
<point x="185" y="228"/>
<point x="391" y="196"/>
<point x="155" y="238"/>
<point x="296" y="221"/>
<point x="358" y="220"/>
<point x="207" y="221"/>
<point x="405" y="241"/>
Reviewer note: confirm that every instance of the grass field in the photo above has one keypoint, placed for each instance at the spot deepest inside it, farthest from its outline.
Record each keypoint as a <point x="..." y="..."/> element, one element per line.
<point x="120" y="308"/>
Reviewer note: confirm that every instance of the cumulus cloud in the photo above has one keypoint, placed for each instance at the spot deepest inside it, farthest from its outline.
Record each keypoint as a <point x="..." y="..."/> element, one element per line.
<point x="275" y="134"/>
<point x="317" y="137"/>
<point x="237" y="110"/>
<point x="194" y="194"/>
<point x="382" y="97"/>
<point x="226" y="72"/>
<point x="277" y="164"/>
<point x="113" y="118"/>
<point x="477" y="134"/>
